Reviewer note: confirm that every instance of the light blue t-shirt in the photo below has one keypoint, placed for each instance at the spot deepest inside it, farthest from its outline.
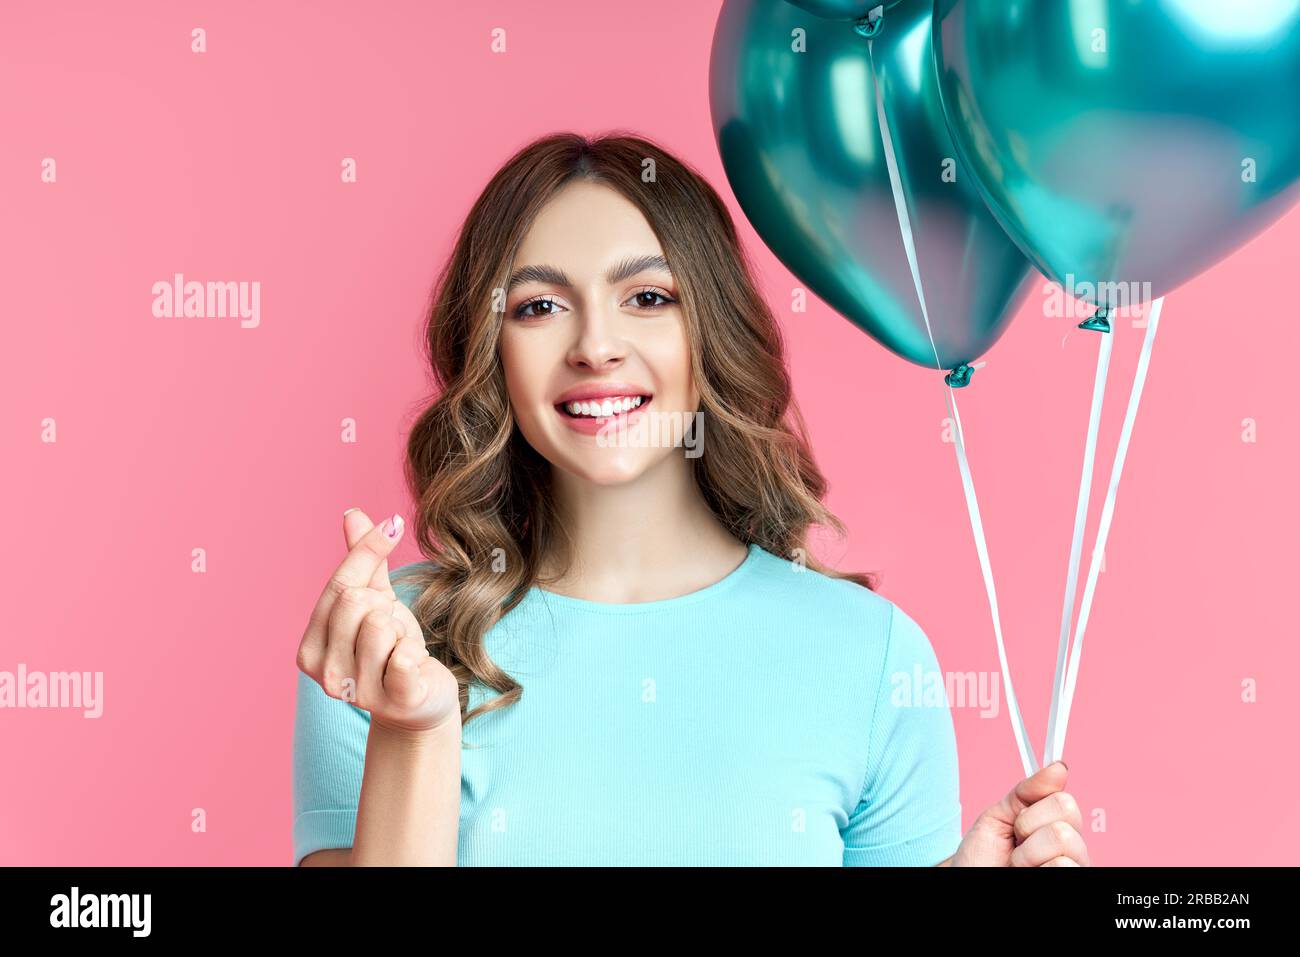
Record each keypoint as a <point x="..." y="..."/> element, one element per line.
<point x="761" y="720"/>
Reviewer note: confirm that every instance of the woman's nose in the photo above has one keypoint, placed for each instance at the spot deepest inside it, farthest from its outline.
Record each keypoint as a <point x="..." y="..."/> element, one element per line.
<point x="598" y="342"/>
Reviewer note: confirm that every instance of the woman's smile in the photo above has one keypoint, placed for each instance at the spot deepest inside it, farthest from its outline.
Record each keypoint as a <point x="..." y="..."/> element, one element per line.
<point x="591" y="415"/>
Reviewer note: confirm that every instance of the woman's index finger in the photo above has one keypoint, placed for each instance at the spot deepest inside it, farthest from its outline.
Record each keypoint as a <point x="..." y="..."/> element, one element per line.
<point x="356" y="526"/>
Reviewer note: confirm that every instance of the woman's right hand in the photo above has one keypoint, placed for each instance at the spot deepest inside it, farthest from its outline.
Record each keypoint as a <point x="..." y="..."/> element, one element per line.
<point x="365" y="647"/>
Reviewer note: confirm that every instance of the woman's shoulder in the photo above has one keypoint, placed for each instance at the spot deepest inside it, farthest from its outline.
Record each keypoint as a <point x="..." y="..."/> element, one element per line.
<point x="839" y="603"/>
<point x="792" y="577"/>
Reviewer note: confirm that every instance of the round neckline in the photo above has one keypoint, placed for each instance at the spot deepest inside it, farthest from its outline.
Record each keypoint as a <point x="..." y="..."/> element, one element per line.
<point x="661" y="604"/>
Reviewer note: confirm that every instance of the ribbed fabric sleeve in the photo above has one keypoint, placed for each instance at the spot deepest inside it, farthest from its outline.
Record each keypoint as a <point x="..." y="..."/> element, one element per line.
<point x="909" y="812"/>
<point x="329" y="753"/>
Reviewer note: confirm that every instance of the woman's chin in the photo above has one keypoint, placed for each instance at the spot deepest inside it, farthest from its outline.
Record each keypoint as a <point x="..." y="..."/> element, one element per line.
<point x="607" y="466"/>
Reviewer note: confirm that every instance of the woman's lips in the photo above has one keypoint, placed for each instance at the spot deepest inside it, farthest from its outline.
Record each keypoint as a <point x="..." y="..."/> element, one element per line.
<point x="590" y="425"/>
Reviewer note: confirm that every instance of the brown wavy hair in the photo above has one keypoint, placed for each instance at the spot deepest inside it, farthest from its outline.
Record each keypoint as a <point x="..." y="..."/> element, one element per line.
<point x="484" y="514"/>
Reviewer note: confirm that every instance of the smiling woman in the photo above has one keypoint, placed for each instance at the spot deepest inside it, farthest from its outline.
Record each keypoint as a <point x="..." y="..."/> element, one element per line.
<point x="637" y="650"/>
<point x="610" y="338"/>
<point x="605" y="269"/>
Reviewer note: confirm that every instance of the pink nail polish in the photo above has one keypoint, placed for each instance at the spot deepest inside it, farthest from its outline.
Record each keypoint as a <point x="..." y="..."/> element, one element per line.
<point x="393" y="526"/>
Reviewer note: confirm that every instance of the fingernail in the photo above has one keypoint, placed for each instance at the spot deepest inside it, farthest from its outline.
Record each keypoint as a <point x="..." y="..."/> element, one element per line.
<point x="1062" y="764"/>
<point x="393" y="526"/>
<point x="352" y="509"/>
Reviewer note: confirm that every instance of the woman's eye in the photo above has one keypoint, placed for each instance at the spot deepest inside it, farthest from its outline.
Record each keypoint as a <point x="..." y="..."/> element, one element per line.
<point x="521" y="314"/>
<point x="653" y="293"/>
<point x="543" y="307"/>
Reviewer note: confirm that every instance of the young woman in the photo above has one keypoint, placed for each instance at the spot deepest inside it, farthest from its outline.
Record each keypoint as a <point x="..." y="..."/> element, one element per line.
<point x="620" y="650"/>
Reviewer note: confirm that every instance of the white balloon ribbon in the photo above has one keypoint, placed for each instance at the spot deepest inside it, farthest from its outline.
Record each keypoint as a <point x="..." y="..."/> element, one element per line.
<point x="1027" y="758"/>
<point x="1061" y="704"/>
<point x="1105" y="342"/>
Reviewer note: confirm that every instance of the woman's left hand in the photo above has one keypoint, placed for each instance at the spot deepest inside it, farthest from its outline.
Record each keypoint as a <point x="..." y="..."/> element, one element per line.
<point x="1036" y="825"/>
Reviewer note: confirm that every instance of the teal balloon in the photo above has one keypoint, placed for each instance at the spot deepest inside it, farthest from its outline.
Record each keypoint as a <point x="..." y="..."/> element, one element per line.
<point x="1125" y="145"/>
<point x="794" y="112"/>
<point x="848" y="9"/>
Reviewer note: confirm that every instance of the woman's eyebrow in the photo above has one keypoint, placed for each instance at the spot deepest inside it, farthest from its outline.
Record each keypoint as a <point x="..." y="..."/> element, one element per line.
<point x="617" y="273"/>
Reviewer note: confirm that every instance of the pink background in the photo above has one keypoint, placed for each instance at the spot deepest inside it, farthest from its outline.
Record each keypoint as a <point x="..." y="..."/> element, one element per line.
<point x="182" y="433"/>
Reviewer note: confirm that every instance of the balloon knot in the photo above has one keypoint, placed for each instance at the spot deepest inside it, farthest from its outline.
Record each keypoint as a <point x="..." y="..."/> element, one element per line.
<point x="1098" y="320"/>
<point x="870" y="25"/>
<point x="959" y="376"/>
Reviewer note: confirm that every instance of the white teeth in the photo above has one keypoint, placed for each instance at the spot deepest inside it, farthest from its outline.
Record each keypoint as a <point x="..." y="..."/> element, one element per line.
<point x="604" y="407"/>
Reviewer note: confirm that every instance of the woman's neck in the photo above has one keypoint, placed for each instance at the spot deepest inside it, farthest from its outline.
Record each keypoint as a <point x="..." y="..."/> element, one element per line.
<point x="645" y="540"/>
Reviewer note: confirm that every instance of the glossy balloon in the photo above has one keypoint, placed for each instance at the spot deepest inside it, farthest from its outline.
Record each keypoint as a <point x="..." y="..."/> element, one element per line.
<point x="1126" y="145"/>
<point x="848" y="9"/>
<point x="799" y="140"/>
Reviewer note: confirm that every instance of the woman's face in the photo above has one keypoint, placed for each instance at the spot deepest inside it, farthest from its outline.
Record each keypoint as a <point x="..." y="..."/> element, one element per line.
<point x="591" y="317"/>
